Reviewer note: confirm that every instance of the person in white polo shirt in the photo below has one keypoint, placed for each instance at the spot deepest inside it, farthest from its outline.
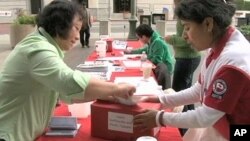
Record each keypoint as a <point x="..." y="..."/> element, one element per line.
<point x="223" y="86"/>
<point x="34" y="75"/>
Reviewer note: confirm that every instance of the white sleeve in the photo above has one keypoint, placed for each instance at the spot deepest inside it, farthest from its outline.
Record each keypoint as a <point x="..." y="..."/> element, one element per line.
<point x="184" y="97"/>
<point x="200" y="117"/>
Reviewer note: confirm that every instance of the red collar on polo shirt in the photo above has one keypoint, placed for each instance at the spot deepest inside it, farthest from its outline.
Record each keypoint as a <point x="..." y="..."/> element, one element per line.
<point x="219" y="46"/>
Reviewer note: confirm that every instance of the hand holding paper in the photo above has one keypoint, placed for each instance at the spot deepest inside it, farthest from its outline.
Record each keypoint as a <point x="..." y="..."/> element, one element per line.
<point x="125" y="90"/>
<point x="130" y="101"/>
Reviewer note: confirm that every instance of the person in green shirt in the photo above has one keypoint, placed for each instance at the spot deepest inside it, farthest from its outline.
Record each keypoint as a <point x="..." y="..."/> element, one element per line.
<point x="158" y="52"/>
<point x="187" y="60"/>
<point x="34" y="75"/>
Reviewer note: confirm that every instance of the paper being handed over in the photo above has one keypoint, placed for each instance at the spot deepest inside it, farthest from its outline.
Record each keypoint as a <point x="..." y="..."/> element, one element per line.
<point x="132" y="100"/>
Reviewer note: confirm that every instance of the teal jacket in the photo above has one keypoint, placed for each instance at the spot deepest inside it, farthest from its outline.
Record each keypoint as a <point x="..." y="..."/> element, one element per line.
<point x="181" y="47"/>
<point x="158" y="51"/>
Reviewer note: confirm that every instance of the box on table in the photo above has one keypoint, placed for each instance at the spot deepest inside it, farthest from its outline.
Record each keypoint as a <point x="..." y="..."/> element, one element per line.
<point x="114" y="121"/>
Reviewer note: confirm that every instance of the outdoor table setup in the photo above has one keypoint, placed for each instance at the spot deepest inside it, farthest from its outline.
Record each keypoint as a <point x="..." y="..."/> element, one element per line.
<point x="104" y="120"/>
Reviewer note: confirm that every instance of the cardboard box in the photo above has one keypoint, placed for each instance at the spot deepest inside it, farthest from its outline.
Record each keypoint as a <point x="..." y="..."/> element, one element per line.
<point x="114" y="121"/>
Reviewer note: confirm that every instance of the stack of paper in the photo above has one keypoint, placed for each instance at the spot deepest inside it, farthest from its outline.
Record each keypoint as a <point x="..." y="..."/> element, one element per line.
<point x="63" y="126"/>
<point x="93" y="67"/>
<point x="119" y="44"/>
<point x="148" y="87"/>
<point x="98" y="69"/>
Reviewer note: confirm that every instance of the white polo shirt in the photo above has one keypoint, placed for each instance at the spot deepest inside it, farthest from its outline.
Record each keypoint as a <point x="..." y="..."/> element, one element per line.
<point x="225" y="80"/>
<point x="223" y="90"/>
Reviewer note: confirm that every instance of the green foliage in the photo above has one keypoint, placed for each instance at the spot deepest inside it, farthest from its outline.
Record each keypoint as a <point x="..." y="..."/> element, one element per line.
<point x="245" y="30"/>
<point x="242" y="5"/>
<point x="25" y="19"/>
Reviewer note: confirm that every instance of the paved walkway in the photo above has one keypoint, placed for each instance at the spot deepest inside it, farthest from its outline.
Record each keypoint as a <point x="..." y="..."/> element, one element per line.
<point x="119" y="30"/>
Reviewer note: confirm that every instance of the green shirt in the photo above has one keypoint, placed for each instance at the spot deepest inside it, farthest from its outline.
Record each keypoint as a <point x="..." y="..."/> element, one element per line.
<point x="158" y="52"/>
<point x="33" y="77"/>
<point x="181" y="47"/>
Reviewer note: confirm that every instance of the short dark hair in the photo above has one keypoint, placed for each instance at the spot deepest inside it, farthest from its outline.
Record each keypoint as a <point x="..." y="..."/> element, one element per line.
<point x="57" y="17"/>
<point x="145" y="30"/>
<point x="82" y="2"/>
<point x="198" y="10"/>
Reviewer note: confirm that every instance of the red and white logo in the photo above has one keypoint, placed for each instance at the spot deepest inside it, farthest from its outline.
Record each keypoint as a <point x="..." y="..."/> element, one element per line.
<point x="219" y="87"/>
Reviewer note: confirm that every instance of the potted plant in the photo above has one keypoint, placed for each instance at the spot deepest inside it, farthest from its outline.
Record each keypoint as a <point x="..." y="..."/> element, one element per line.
<point x="23" y="25"/>
<point x="245" y="30"/>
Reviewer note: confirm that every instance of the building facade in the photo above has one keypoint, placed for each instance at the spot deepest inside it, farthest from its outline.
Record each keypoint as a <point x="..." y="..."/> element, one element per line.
<point x="100" y="9"/>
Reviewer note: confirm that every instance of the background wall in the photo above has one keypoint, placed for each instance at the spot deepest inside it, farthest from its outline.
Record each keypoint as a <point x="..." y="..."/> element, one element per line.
<point x="100" y="9"/>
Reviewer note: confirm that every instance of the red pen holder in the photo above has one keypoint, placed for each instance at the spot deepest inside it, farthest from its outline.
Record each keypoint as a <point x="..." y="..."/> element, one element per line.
<point x="109" y="45"/>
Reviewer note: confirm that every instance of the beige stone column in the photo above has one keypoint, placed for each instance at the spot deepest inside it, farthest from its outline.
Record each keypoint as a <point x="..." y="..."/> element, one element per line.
<point x="105" y="27"/>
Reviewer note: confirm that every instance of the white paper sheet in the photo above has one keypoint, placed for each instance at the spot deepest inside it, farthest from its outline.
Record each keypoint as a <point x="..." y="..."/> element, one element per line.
<point x="149" y="87"/>
<point x="128" y="56"/>
<point x="132" y="64"/>
<point x="99" y="69"/>
<point x="119" y="44"/>
<point x="111" y="58"/>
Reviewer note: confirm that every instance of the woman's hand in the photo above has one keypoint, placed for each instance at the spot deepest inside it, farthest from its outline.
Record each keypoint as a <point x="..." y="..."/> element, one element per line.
<point x="146" y="120"/>
<point x="127" y="51"/>
<point x="125" y="90"/>
<point x="153" y="99"/>
<point x="167" y="38"/>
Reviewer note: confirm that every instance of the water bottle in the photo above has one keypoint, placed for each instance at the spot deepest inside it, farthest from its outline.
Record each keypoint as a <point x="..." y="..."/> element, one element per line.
<point x="143" y="58"/>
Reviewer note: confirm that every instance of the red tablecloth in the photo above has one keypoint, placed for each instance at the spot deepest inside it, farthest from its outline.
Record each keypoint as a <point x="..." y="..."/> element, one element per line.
<point x="115" y="53"/>
<point x="166" y="133"/>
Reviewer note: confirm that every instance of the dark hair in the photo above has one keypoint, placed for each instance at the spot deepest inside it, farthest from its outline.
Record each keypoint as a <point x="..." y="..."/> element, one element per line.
<point x="83" y="3"/>
<point x="57" y="17"/>
<point x="197" y="10"/>
<point x="145" y="30"/>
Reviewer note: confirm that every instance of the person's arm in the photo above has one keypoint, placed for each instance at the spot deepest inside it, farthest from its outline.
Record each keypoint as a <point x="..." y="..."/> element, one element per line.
<point x="100" y="89"/>
<point x="199" y="118"/>
<point x="139" y="50"/>
<point x="184" y="97"/>
<point x="173" y="99"/>
<point x="176" y="41"/>
<point x="47" y="68"/>
<point x="90" y="19"/>
<point x="223" y="89"/>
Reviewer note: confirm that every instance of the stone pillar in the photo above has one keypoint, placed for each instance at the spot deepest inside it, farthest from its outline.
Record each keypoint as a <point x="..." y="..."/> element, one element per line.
<point x="161" y="27"/>
<point x="132" y="21"/>
<point x="46" y="2"/>
<point x="105" y="27"/>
